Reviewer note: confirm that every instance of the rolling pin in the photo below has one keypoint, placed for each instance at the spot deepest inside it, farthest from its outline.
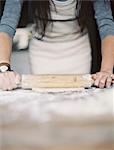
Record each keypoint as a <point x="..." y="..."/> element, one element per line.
<point x="56" y="81"/>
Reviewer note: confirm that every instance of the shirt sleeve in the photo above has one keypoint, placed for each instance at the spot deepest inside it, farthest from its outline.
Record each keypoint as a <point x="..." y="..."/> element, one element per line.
<point x="11" y="15"/>
<point x="104" y="18"/>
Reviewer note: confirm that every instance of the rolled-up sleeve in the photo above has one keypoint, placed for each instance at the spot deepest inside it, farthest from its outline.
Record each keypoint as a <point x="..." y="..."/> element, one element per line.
<point x="104" y="18"/>
<point x="11" y="15"/>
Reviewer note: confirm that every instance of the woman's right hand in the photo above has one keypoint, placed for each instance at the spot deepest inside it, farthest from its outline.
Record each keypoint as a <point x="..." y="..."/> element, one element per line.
<point x="9" y="80"/>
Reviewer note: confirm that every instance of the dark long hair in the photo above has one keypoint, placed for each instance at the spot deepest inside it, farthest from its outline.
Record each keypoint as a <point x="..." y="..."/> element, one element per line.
<point x="42" y="15"/>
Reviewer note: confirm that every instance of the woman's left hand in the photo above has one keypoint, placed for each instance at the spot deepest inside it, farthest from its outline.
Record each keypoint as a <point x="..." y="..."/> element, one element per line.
<point x="103" y="79"/>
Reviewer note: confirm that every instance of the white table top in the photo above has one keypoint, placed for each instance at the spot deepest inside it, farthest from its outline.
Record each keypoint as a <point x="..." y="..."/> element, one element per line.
<point x="52" y="120"/>
<point x="92" y="102"/>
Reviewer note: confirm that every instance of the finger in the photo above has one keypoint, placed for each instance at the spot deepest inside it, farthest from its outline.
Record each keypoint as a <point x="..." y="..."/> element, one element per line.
<point x="6" y="85"/>
<point x="96" y="83"/>
<point x="112" y="77"/>
<point x="12" y="81"/>
<point x="1" y="80"/>
<point x="9" y="77"/>
<point x="108" y="82"/>
<point x="102" y="81"/>
<point x="17" y="79"/>
<point x="94" y="76"/>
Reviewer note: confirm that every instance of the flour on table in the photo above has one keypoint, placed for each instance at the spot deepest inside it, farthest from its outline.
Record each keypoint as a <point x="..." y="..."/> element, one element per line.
<point x="36" y="106"/>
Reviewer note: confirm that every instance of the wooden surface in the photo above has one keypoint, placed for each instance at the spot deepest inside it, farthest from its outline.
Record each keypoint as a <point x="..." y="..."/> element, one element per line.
<point x="57" y="121"/>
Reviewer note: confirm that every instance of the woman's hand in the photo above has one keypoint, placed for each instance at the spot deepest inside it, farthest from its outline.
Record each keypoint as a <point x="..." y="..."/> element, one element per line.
<point x="103" y="79"/>
<point x="9" y="80"/>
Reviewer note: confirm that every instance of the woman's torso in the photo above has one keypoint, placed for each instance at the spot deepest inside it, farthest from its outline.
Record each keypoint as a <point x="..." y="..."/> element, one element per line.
<point x="67" y="28"/>
<point x="63" y="49"/>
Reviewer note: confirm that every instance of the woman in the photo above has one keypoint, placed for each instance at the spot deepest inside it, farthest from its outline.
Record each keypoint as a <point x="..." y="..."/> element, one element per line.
<point x="58" y="46"/>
